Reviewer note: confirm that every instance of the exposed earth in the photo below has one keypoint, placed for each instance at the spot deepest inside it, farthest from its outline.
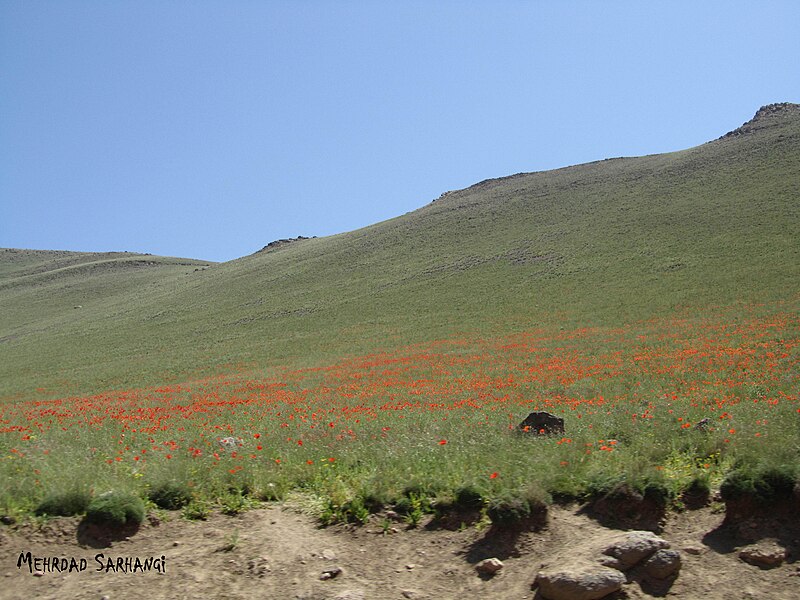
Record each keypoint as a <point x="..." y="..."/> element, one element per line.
<point x="277" y="553"/>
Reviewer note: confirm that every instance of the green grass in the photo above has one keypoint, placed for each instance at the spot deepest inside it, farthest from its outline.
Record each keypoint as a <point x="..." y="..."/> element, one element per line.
<point x="705" y="235"/>
<point x="608" y="242"/>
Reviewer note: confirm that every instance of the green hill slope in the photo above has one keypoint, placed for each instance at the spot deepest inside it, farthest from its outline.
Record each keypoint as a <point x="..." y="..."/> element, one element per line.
<point x="606" y="242"/>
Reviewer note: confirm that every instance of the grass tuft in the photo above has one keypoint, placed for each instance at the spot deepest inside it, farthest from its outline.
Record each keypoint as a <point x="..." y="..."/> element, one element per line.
<point x="115" y="509"/>
<point x="67" y="504"/>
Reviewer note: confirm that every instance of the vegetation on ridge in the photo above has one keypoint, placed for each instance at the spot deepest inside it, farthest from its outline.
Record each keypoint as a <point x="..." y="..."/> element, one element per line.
<point x="390" y="365"/>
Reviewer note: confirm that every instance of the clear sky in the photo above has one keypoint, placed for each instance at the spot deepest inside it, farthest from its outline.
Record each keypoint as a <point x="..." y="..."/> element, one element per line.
<point x="207" y="129"/>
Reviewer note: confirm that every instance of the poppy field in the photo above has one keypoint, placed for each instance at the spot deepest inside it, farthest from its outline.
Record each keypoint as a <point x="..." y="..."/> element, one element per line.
<point x="671" y="401"/>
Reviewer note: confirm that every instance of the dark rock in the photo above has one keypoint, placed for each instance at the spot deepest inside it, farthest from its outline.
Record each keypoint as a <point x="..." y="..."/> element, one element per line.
<point x="542" y="423"/>
<point x="663" y="564"/>
<point x="331" y="573"/>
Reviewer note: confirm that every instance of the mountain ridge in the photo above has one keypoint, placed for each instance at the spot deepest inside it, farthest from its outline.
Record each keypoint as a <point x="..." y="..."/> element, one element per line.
<point x="609" y="241"/>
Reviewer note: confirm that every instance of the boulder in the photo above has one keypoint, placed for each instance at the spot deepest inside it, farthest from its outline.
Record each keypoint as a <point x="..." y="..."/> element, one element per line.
<point x="582" y="583"/>
<point x="765" y="555"/>
<point x="663" y="564"/>
<point x="542" y="423"/>
<point x="633" y="547"/>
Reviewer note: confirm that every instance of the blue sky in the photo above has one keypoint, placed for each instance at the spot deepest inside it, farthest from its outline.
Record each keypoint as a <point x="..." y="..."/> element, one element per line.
<point x="208" y="129"/>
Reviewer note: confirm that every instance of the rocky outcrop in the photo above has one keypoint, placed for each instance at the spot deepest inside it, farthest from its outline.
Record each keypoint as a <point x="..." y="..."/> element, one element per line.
<point x="285" y="242"/>
<point x="766" y="117"/>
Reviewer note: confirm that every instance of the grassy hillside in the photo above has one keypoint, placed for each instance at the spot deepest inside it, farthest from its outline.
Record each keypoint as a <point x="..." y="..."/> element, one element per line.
<point x="609" y="242"/>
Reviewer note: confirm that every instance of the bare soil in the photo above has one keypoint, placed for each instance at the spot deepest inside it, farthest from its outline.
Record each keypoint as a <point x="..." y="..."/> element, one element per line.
<point x="277" y="553"/>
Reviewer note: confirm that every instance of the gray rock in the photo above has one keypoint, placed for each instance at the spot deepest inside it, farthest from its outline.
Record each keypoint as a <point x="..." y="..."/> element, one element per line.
<point x="610" y="561"/>
<point x="489" y="566"/>
<point x="663" y="564"/>
<point x="583" y="583"/>
<point x="765" y="555"/>
<point x="634" y="547"/>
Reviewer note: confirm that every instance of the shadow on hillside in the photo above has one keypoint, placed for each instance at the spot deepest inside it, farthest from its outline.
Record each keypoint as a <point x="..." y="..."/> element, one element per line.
<point x="505" y="541"/>
<point x="749" y="520"/>
<point x="625" y="508"/>
<point x="454" y="519"/>
<point x="102" y="536"/>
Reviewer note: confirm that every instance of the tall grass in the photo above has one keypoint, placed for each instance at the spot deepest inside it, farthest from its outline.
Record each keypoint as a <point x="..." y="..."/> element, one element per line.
<point x="415" y="427"/>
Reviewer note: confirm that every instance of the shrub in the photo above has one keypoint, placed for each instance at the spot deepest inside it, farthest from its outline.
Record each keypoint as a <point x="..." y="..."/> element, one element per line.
<point x="233" y="504"/>
<point x="352" y="511"/>
<point x="468" y="498"/>
<point x="765" y="485"/>
<point x="66" y="504"/>
<point x="509" y="510"/>
<point x="116" y="509"/>
<point x="528" y="507"/>
<point x="170" y="495"/>
<point x="413" y="506"/>
<point x="196" y="511"/>
<point x="699" y="486"/>
<point x="658" y="491"/>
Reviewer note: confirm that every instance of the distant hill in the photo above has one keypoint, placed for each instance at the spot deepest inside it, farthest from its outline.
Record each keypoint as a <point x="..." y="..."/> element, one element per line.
<point x="608" y="242"/>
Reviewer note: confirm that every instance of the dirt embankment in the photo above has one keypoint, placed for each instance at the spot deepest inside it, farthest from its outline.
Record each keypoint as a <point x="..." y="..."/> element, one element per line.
<point x="277" y="553"/>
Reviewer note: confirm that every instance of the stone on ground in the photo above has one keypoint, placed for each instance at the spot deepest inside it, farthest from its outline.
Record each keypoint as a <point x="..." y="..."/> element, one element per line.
<point x="635" y="546"/>
<point x="582" y="583"/>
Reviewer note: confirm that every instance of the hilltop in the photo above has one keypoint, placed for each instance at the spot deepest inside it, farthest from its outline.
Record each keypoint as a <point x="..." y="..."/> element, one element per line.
<point x="601" y="243"/>
<point x="376" y="382"/>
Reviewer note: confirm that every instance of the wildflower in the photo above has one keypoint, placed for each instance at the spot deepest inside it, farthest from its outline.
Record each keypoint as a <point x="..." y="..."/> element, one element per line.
<point x="442" y="442"/>
<point x="493" y="475"/>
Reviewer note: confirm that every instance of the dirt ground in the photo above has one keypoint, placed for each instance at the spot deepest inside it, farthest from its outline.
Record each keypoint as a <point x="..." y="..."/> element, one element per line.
<point x="277" y="553"/>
